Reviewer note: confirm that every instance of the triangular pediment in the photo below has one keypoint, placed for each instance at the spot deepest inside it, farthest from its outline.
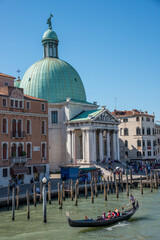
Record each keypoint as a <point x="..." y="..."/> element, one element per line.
<point x="106" y="117"/>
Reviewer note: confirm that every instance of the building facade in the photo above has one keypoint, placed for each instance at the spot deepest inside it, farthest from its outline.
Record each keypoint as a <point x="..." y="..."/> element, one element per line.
<point x="70" y="136"/>
<point x="137" y="135"/>
<point x="23" y="134"/>
<point x="157" y="133"/>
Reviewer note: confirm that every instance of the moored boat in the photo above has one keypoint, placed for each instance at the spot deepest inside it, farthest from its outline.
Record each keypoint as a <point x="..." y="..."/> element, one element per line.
<point x="102" y="223"/>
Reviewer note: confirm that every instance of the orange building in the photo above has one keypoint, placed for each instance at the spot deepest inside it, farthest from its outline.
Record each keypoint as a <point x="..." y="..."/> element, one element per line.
<point x="23" y="134"/>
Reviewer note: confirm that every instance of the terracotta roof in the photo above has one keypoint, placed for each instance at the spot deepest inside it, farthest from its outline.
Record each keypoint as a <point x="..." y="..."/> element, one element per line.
<point x="5" y="75"/>
<point x="34" y="98"/>
<point x="133" y="112"/>
<point x="2" y="93"/>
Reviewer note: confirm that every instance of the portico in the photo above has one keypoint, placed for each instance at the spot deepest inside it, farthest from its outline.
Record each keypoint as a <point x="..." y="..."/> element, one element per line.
<point x="92" y="139"/>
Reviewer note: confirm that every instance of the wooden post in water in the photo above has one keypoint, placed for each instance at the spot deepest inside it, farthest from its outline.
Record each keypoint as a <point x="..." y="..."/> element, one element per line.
<point x="86" y="194"/>
<point x="122" y="181"/>
<point x="28" y="209"/>
<point x="151" y="187"/>
<point x="130" y="171"/>
<point x="155" y="180"/>
<point x="63" y="190"/>
<point x="13" y="204"/>
<point x="141" y="184"/>
<point x="17" y="202"/>
<point x="76" y="201"/>
<point x="34" y="194"/>
<point x="127" y="187"/>
<point x="111" y="185"/>
<point x="69" y="187"/>
<point x="8" y="197"/>
<point x="114" y="178"/>
<point x="61" y="198"/>
<point x="71" y="190"/>
<point x="49" y="192"/>
<point x="77" y="188"/>
<point x="104" y="186"/>
<point x="40" y="197"/>
<point x="117" y="190"/>
<point x="59" y="193"/>
<point x="95" y="185"/>
<point x="92" y="193"/>
<point x="44" y="204"/>
<point x="108" y="185"/>
<point x="101" y="186"/>
<point x="158" y="178"/>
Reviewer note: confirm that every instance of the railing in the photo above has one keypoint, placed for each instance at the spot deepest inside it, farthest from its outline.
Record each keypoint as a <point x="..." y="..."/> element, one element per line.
<point x="18" y="134"/>
<point x="17" y="160"/>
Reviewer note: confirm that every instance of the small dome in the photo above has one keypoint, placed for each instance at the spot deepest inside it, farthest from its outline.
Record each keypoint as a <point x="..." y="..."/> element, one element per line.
<point x="54" y="80"/>
<point x="49" y="35"/>
<point x="17" y="82"/>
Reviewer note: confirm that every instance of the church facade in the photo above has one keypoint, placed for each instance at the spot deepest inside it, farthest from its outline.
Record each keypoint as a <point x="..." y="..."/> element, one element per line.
<point x="79" y="131"/>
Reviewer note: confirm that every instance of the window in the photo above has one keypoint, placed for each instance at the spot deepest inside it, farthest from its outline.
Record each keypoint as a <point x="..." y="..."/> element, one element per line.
<point x="153" y="131"/>
<point x="6" y="83"/>
<point x="20" y="128"/>
<point x="148" y="119"/>
<point x="138" y="143"/>
<point x="14" y="128"/>
<point x="43" y="106"/>
<point x="4" y="102"/>
<point x="12" y="103"/>
<point x="5" y="172"/>
<point x="43" y="150"/>
<point x="28" y="127"/>
<point x="142" y="119"/>
<point x="152" y="119"/>
<point x="138" y="131"/>
<point x="126" y="132"/>
<point x="121" y="132"/>
<point x="149" y="143"/>
<point x="125" y="120"/>
<point x="45" y="50"/>
<point x="137" y="119"/>
<point x="4" y="151"/>
<point x="148" y="131"/>
<point x="143" y="131"/>
<point x="143" y="143"/>
<point x="54" y="115"/>
<point x="28" y="105"/>
<point x="20" y="104"/>
<point x="138" y="154"/>
<point x="126" y="143"/>
<point x="143" y="153"/>
<point x="50" y="51"/>
<point x="43" y="127"/>
<point x="20" y="149"/>
<point x="154" y="153"/>
<point x="16" y="103"/>
<point x="154" y="143"/>
<point x="29" y="170"/>
<point x="29" y="150"/>
<point x="4" y="125"/>
<point x="149" y="153"/>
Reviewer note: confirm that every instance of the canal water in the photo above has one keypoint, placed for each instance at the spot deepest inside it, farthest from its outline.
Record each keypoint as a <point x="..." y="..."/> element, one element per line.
<point x="145" y="224"/>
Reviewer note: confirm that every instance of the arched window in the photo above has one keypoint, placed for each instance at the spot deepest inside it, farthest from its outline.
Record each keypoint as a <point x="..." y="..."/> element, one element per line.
<point x="20" y="149"/>
<point x="121" y="132"/>
<point x="126" y="132"/>
<point x="28" y="127"/>
<point x="19" y="128"/>
<point x="143" y="131"/>
<point x="4" y="125"/>
<point x="148" y="131"/>
<point x="138" y="143"/>
<point x="43" y="127"/>
<point x="14" y="128"/>
<point x="28" y="150"/>
<point x="43" y="150"/>
<point x="13" y="150"/>
<point x="126" y="143"/>
<point x="5" y="151"/>
<point x="138" y="131"/>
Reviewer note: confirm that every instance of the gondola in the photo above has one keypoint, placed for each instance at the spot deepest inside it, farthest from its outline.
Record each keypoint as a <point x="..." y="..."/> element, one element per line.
<point x="102" y="223"/>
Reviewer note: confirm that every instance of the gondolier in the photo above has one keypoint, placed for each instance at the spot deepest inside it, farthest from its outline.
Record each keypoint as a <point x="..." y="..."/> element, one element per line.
<point x="132" y="200"/>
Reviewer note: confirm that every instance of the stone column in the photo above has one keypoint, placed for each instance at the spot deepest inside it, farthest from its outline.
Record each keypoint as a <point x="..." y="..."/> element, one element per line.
<point x="83" y="144"/>
<point x="94" y="147"/>
<point x="117" y="139"/>
<point x="100" y="146"/>
<point x="73" y="147"/>
<point x="108" y="144"/>
<point x="114" y="146"/>
<point x="69" y="146"/>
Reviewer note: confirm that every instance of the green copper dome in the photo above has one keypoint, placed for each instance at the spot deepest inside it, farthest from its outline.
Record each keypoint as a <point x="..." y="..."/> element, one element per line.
<point x="17" y="82"/>
<point x="49" y="35"/>
<point x="54" y="80"/>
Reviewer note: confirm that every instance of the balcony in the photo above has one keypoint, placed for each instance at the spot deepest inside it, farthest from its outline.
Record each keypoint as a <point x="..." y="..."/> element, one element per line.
<point x="18" y="134"/>
<point x="18" y="160"/>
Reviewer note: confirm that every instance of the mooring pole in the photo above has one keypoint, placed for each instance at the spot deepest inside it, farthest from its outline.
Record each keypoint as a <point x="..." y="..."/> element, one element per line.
<point x="49" y="192"/>
<point x="28" y="210"/>
<point x="13" y="204"/>
<point x="44" y="180"/>
<point x="104" y="186"/>
<point x="86" y="194"/>
<point x="8" y="197"/>
<point x="141" y="184"/>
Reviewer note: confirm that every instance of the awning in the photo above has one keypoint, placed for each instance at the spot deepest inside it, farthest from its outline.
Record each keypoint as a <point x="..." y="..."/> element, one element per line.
<point x="89" y="169"/>
<point x="38" y="169"/>
<point x="19" y="170"/>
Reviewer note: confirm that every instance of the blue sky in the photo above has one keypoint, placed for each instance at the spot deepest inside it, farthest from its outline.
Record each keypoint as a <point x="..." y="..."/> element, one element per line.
<point x="113" y="44"/>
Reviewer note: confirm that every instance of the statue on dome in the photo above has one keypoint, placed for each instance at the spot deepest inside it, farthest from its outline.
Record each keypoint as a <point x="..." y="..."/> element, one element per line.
<point x="49" y="21"/>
